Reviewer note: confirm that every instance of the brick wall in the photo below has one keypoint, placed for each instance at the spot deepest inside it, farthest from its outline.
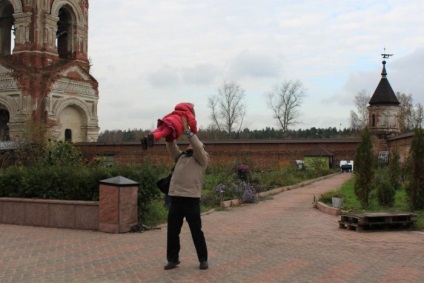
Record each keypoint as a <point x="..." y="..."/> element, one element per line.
<point x="402" y="143"/>
<point x="264" y="153"/>
<point x="115" y="212"/>
<point x="50" y="213"/>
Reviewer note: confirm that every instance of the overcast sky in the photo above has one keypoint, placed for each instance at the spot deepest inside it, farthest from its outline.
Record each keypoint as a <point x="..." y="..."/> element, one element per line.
<point x="149" y="55"/>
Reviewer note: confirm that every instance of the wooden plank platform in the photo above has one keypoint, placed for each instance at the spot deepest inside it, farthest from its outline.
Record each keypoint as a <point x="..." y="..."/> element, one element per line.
<point x="377" y="221"/>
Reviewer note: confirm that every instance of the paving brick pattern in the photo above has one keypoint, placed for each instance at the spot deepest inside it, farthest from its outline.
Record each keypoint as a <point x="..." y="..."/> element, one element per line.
<point x="281" y="239"/>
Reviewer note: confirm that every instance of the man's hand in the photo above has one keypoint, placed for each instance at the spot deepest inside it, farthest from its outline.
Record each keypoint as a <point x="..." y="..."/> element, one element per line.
<point x="186" y="127"/>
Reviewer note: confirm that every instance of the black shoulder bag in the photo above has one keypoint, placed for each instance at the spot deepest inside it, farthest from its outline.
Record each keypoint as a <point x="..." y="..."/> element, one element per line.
<point x="163" y="184"/>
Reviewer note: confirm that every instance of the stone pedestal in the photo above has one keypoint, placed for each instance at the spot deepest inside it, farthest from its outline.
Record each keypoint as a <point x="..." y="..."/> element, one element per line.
<point x="117" y="205"/>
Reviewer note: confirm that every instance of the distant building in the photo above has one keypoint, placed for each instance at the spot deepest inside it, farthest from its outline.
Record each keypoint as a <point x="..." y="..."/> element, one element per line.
<point x="384" y="115"/>
<point x="45" y="71"/>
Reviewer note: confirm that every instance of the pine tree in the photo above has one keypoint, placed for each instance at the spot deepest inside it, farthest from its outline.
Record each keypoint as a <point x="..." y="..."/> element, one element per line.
<point x="395" y="169"/>
<point x="364" y="171"/>
<point x="415" y="186"/>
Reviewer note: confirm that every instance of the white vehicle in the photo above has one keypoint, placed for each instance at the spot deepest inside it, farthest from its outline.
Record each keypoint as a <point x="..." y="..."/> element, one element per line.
<point x="300" y="164"/>
<point x="346" y="165"/>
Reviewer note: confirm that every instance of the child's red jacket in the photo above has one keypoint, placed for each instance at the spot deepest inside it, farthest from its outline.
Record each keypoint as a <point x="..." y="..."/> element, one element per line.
<point x="174" y="119"/>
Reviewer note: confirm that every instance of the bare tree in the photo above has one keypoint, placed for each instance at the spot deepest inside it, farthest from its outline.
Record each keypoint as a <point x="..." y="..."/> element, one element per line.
<point x="228" y="108"/>
<point x="411" y="116"/>
<point x="359" y="119"/>
<point x="285" y="100"/>
<point x="406" y="111"/>
<point x="417" y="116"/>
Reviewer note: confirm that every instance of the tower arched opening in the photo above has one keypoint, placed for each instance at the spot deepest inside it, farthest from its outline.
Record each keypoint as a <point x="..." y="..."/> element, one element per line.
<point x="4" y="121"/>
<point x="7" y="30"/>
<point x="65" y="33"/>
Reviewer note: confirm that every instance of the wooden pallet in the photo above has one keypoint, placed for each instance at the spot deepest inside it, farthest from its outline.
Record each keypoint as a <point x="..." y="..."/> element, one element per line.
<point x="372" y="221"/>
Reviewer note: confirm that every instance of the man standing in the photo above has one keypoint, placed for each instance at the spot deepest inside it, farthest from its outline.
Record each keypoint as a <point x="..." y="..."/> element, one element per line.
<point x="185" y="191"/>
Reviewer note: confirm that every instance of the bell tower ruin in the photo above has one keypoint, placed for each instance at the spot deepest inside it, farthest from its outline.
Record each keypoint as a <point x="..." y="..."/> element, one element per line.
<point x="45" y="70"/>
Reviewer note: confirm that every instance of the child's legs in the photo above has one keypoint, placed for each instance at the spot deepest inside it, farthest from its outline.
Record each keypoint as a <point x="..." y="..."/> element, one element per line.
<point x="161" y="132"/>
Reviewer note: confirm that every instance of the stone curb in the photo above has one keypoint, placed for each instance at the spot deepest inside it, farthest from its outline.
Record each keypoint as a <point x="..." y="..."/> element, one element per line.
<point x="328" y="209"/>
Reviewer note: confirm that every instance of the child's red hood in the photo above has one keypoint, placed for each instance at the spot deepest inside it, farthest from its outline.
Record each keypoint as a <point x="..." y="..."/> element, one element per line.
<point x="185" y="106"/>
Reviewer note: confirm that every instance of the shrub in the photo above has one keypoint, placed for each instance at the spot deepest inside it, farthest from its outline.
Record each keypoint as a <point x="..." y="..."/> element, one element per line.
<point x="385" y="193"/>
<point x="249" y="192"/>
<point x="10" y="180"/>
<point x="316" y="166"/>
<point x="213" y="197"/>
<point x="62" y="154"/>
<point x="364" y="171"/>
<point x="77" y="182"/>
<point x="243" y="172"/>
<point x="415" y="185"/>
<point x="232" y="189"/>
<point x="156" y="213"/>
<point x="395" y="169"/>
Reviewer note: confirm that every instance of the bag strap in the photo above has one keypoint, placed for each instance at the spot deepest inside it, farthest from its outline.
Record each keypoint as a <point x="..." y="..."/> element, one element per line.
<point x="176" y="160"/>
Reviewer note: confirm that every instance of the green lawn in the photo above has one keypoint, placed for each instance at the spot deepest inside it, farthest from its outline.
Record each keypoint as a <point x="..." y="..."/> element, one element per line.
<point x="351" y="204"/>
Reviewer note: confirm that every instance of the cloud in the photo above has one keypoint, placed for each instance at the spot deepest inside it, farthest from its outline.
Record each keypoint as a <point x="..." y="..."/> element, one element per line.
<point x="152" y="54"/>
<point x="201" y="74"/>
<point x="164" y="77"/>
<point x="405" y="74"/>
<point x="252" y="65"/>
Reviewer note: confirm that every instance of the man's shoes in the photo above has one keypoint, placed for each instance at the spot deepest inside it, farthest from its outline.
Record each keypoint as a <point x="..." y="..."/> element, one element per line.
<point x="171" y="265"/>
<point x="150" y="140"/>
<point x="144" y="143"/>
<point x="203" y="265"/>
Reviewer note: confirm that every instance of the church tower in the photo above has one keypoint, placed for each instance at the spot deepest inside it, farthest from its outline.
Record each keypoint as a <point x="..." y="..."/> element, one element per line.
<point x="384" y="108"/>
<point x="45" y="70"/>
<point x="384" y="112"/>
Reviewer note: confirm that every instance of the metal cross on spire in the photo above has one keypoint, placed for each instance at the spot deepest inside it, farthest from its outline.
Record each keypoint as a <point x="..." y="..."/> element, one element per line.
<point x="385" y="55"/>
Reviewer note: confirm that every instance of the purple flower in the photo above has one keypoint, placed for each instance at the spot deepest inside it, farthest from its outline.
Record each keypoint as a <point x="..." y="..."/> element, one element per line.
<point x="242" y="169"/>
<point x="219" y="189"/>
<point x="248" y="192"/>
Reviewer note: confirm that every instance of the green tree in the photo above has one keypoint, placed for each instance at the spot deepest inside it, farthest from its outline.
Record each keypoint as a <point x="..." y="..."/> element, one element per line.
<point x="364" y="170"/>
<point x="395" y="169"/>
<point x="415" y="186"/>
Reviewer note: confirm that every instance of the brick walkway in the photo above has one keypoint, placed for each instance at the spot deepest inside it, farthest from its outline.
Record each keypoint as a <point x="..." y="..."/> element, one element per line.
<point x="282" y="239"/>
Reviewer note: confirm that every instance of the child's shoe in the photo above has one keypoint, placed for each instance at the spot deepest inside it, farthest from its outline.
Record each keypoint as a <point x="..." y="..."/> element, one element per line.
<point x="144" y="143"/>
<point x="150" y="140"/>
<point x="169" y="138"/>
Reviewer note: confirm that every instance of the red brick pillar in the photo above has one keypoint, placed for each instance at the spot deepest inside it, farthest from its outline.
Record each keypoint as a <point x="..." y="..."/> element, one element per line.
<point x="117" y="205"/>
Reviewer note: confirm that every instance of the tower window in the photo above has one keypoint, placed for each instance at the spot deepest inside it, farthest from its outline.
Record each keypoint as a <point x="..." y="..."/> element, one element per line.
<point x="373" y="120"/>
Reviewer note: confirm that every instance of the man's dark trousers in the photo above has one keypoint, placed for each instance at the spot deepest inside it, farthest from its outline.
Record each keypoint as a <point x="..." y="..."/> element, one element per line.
<point x="190" y="209"/>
